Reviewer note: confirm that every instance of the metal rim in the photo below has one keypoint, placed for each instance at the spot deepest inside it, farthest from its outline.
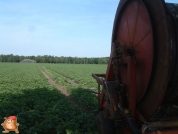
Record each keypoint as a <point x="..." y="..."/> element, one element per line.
<point x="158" y="81"/>
<point x="172" y="92"/>
<point x="135" y="33"/>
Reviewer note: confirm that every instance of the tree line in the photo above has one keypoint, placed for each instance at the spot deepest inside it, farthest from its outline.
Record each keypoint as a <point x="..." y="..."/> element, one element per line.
<point x="54" y="59"/>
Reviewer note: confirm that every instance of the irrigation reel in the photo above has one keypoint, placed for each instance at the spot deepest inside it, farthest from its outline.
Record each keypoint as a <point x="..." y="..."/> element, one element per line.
<point x="142" y="74"/>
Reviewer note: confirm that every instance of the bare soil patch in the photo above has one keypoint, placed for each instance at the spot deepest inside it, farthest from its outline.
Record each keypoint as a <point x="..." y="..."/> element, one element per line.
<point x="59" y="87"/>
<point x="75" y="83"/>
<point x="68" y="80"/>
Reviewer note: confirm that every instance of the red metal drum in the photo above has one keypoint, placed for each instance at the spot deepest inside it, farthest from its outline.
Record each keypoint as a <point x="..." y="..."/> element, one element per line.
<point x="142" y="28"/>
<point x="135" y="33"/>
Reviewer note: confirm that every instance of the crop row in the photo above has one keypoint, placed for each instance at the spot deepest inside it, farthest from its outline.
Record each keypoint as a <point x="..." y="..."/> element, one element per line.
<point x="40" y="107"/>
<point x="79" y="73"/>
<point x="83" y="96"/>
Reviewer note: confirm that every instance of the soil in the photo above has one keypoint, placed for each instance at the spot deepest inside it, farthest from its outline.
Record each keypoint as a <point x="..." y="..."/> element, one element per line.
<point x="68" y="80"/>
<point x="75" y="83"/>
<point x="59" y="87"/>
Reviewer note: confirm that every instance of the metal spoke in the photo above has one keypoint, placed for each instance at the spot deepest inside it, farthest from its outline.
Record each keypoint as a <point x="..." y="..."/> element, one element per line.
<point x="136" y="21"/>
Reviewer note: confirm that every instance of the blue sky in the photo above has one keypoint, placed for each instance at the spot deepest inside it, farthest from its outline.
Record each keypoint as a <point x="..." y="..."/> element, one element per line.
<point x="80" y="28"/>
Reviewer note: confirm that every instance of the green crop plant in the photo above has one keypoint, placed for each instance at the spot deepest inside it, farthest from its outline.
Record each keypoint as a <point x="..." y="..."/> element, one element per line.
<point x="39" y="106"/>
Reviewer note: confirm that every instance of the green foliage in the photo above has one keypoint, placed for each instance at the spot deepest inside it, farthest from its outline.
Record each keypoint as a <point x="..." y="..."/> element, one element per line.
<point x="80" y="74"/>
<point x="41" y="108"/>
<point x="54" y="59"/>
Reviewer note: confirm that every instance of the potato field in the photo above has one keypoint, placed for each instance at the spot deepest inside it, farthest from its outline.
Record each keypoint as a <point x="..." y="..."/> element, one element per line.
<point x="50" y="98"/>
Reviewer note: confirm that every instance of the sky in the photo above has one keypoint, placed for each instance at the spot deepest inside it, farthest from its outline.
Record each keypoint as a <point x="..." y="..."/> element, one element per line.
<point x="77" y="28"/>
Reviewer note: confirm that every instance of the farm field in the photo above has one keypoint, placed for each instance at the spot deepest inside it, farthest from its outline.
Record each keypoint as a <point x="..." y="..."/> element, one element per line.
<point x="39" y="105"/>
<point x="79" y="73"/>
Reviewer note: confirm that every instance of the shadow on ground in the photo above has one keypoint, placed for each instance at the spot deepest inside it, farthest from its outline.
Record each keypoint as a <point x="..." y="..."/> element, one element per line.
<point x="86" y="98"/>
<point x="45" y="110"/>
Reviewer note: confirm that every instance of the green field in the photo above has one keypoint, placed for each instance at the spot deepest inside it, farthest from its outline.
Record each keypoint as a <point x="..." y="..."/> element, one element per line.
<point x="40" y="107"/>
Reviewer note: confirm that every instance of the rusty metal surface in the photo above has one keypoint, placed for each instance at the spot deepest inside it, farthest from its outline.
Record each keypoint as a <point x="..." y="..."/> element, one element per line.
<point x="164" y="124"/>
<point x="165" y="132"/>
<point x="112" y="99"/>
<point x="158" y="126"/>
<point x="171" y="95"/>
<point x="109" y="71"/>
<point x="143" y="28"/>
<point x="149" y="41"/>
<point x="101" y="75"/>
<point x="162" y="58"/>
<point x="98" y="80"/>
<point x="133" y="29"/>
<point x="152" y="85"/>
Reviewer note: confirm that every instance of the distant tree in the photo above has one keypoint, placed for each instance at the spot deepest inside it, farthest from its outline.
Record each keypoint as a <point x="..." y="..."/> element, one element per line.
<point x="1" y="58"/>
<point x="54" y="59"/>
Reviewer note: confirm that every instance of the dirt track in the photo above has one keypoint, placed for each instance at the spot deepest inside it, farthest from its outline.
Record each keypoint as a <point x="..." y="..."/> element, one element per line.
<point x="59" y="87"/>
<point x="75" y="83"/>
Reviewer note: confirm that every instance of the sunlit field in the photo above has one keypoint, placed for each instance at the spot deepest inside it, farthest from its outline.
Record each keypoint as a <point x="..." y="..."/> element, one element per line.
<point x="40" y="107"/>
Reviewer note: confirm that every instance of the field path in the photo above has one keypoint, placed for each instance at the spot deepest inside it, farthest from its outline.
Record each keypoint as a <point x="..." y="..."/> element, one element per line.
<point x="52" y="82"/>
<point x="68" y="79"/>
<point x="59" y="87"/>
<point x="73" y="82"/>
